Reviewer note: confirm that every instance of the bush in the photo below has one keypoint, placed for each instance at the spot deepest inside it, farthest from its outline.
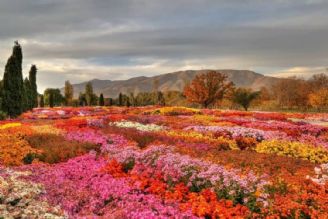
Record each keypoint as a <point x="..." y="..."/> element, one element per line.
<point x="3" y="115"/>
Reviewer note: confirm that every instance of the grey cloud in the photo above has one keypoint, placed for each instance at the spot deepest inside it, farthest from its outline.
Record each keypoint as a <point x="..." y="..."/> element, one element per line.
<point x="277" y="34"/>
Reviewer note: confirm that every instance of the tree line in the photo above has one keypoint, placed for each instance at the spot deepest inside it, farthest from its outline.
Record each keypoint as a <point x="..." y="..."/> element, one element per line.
<point x="53" y="97"/>
<point x="209" y="90"/>
<point x="17" y="95"/>
<point x="213" y="89"/>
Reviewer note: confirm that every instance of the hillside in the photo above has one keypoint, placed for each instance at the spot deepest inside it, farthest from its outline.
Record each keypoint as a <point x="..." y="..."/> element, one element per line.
<point x="173" y="81"/>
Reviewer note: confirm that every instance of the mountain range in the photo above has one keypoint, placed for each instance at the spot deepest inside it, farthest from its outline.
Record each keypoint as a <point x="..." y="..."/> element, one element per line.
<point x="172" y="81"/>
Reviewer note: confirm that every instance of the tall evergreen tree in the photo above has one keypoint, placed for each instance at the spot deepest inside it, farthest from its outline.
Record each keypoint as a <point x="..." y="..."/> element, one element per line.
<point x="41" y="101"/>
<point x="27" y="97"/>
<point x="101" y="100"/>
<point x="110" y="101"/>
<point x="69" y="91"/>
<point x="1" y="94"/>
<point x="89" y="93"/>
<point x="34" y="88"/>
<point x="120" y="99"/>
<point x="13" y="87"/>
<point x="51" y="99"/>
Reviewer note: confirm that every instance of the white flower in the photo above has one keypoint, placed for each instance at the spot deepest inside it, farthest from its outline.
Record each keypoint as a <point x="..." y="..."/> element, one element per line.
<point x="138" y="126"/>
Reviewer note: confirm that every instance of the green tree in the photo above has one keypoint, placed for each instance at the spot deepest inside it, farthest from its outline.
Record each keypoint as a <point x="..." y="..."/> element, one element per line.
<point x="1" y="93"/>
<point x="27" y="97"/>
<point x="89" y="93"/>
<point x="41" y="101"/>
<point x="82" y="101"/>
<point x="101" y="100"/>
<point x="53" y="97"/>
<point x="13" y="87"/>
<point x="33" y="86"/>
<point x="120" y="99"/>
<point x="110" y="101"/>
<point x="145" y="98"/>
<point x="127" y="102"/>
<point x="51" y="100"/>
<point x="160" y="100"/>
<point x="244" y="97"/>
<point x="68" y="92"/>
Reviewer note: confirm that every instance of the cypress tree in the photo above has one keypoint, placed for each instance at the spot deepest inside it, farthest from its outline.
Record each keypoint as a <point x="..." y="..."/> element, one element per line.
<point x="33" y="87"/>
<point x="41" y="101"/>
<point x="51" y="99"/>
<point x="27" y="97"/>
<point x="13" y="87"/>
<point x="89" y="93"/>
<point x="101" y="100"/>
<point x="120" y="99"/>
<point x="1" y="94"/>
<point x="110" y="101"/>
<point x="69" y="93"/>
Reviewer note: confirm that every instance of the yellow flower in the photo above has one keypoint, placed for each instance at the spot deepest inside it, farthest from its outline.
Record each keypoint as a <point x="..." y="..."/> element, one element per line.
<point x="294" y="149"/>
<point x="10" y="125"/>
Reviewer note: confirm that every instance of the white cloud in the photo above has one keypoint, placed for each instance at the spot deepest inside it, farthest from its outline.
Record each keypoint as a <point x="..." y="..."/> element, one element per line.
<point x="304" y="72"/>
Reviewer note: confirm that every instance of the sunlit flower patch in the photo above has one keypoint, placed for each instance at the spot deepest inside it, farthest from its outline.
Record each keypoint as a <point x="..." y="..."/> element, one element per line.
<point x="163" y="162"/>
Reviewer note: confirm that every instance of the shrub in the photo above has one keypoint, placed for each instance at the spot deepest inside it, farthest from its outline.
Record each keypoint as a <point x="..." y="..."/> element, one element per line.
<point x="3" y="115"/>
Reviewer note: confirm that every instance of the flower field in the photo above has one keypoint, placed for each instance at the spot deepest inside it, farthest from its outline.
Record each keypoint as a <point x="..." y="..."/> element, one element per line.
<point x="163" y="162"/>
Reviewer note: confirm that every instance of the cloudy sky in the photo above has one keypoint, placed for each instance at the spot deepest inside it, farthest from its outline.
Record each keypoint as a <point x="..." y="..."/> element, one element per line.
<point x="78" y="40"/>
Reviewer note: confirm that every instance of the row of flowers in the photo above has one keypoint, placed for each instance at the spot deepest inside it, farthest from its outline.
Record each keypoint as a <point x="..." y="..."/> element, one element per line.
<point x="151" y="162"/>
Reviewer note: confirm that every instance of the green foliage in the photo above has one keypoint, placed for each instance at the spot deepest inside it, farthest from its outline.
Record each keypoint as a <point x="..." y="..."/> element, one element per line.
<point x="159" y="98"/>
<point x="1" y="93"/>
<point x="69" y="92"/>
<point x="101" y="100"/>
<point x="3" y="115"/>
<point x="244" y="97"/>
<point x="144" y="99"/>
<point x="89" y="95"/>
<point x="82" y="100"/>
<point x="33" y="100"/>
<point x="120" y="99"/>
<point x="128" y="165"/>
<point x="110" y="102"/>
<point x="27" y="103"/>
<point x="13" y="88"/>
<point x="28" y="159"/>
<point x="52" y="97"/>
<point x="41" y="101"/>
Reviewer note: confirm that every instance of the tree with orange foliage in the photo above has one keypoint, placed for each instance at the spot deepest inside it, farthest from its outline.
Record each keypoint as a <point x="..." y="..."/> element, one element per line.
<point x="207" y="88"/>
<point x="319" y="99"/>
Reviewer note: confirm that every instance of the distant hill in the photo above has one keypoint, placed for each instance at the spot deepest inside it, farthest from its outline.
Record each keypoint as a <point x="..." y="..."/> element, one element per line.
<point x="173" y="81"/>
